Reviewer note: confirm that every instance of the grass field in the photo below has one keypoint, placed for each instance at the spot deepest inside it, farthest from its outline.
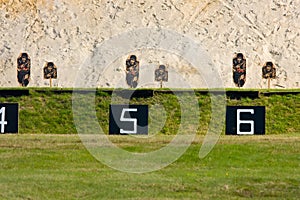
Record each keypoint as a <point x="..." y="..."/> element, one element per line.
<point x="47" y="160"/>
<point x="59" y="167"/>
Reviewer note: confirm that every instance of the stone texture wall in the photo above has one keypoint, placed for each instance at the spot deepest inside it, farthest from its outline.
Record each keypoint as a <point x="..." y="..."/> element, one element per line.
<point x="68" y="32"/>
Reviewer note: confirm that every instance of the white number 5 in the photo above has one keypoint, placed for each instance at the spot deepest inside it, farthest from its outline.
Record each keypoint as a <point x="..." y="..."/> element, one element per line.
<point x="2" y="121"/>
<point x="123" y="119"/>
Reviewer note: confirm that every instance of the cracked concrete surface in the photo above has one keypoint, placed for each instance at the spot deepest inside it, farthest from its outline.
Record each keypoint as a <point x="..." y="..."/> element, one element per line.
<point x="68" y="32"/>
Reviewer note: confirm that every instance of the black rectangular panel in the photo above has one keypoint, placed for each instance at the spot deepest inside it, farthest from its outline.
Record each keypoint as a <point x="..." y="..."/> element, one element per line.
<point x="245" y="120"/>
<point x="128" y="119"/>
<point x="9" y="118"/>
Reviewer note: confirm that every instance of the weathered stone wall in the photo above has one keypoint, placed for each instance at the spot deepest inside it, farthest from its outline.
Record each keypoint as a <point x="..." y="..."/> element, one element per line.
<point x="68" y="32"/>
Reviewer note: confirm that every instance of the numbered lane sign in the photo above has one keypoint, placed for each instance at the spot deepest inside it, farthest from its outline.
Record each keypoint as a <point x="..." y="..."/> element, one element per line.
<point x="9" y="118"/>
<point x="245" y="120"/>
<point x="128" y="119"/>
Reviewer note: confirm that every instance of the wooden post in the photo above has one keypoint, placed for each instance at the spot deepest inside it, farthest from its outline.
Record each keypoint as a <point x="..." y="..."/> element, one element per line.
<point x="50" y="82"/>
<point x="269" y="83"/>
<point x="161" y="84"/>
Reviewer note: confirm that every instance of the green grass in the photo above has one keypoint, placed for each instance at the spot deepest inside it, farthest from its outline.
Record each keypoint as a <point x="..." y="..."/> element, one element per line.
<point x="50" y="113"/>
<point x="48" y="161"/>
<point x="59" y="167"/>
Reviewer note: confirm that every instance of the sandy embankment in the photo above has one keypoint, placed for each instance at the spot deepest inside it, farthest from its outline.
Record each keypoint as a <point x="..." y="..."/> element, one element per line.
<point x="69" y="32"/>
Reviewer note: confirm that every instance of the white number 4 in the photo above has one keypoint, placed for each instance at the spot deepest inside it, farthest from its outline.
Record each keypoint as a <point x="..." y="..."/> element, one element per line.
<point x="123" y="119"/>
<point x="2" y="121"/>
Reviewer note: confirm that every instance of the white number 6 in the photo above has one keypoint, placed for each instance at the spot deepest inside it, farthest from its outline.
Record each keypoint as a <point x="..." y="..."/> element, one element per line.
<point x="123" y="119"/>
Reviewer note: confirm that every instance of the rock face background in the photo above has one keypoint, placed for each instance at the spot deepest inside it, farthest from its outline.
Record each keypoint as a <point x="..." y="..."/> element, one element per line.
<point x="68" y="32"/>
